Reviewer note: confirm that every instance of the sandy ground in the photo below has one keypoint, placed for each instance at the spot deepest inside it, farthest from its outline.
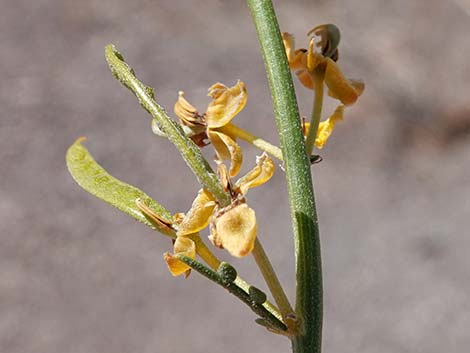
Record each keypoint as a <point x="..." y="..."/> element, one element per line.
<point x="393" y="190"/>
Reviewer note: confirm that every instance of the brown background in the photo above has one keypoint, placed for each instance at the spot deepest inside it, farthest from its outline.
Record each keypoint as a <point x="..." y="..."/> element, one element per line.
<point x="393" y="190"/>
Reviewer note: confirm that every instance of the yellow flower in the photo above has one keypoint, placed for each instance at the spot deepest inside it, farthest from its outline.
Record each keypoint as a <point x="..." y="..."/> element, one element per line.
<point x="182" y="246"/>
<point x="309" y="63"/>
<point x="234" y="227"/>
<point x="235" y="230"/>
<point x="320" y="66"/>
<point x="226" y="103"/>
<point x="326" y="127"/>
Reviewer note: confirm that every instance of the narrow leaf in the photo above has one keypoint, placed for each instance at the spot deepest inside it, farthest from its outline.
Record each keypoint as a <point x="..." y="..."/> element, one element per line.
<point x="94" y="179"/>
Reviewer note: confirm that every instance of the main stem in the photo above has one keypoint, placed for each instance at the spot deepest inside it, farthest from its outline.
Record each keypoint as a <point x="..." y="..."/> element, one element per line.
<point x="309" y="307"/>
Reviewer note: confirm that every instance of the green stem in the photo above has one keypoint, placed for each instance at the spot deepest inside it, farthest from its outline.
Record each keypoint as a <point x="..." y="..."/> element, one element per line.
<point x="188" y="150"/>
<point x="206" y="254"/>
<point x="263" y="145"/>
<point x="272" y="281"/>
<point x="309" y="295"/>
<point x="225" y="277"/>
<point x="318" y="78"/>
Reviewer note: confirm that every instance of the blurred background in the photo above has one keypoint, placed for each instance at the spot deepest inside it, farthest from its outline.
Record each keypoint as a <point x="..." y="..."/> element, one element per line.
<point x="393" y="190"/>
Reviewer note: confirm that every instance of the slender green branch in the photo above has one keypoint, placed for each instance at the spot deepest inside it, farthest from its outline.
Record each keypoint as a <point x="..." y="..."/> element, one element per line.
<point x="263" y="145"/>
<point x="225" y="277"/>
<point x="209" y="258"/>
<point x="188" y="150"/>
<point x="299" y="182"/>
<point x="318" y="78"/>
<point x="272" y="281"/>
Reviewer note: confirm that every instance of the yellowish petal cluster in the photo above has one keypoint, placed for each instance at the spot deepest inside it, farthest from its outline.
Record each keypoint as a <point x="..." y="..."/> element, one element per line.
<point x="234" y="227"/>
<point x="226" y="103"/>
<point x="309" y="62"/>
<point x="314" y="67"/>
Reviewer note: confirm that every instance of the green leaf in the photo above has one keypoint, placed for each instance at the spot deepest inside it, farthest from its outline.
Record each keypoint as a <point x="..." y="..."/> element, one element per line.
<point x="98" y="182"/>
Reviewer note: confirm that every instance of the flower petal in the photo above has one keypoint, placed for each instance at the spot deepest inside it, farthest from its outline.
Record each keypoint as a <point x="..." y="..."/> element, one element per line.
<point x="340" y="87"/>
<point x="183" y="246"/>
<point x="260" y="174"/>
<point x="305" y="78"/>
<point x="198" y="216"/>
<point x="294" y="57"/>
<point x="187" y="113"/>
<point x="226" y="103"/>
<point x="235" y="230"/>
<point x="227" y="149"/>
<point x="326" y="127"/>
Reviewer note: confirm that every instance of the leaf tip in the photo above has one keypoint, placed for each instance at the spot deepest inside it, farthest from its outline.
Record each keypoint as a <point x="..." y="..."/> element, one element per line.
<point x="80" y="140"/>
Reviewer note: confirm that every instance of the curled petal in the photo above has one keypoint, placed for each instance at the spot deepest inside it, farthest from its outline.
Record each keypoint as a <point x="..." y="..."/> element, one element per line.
<point x="199" y="215"/>
<point x="223" y="177"/>
<point x="187" y="113"/>
<point x="227" y="149"/>
<point x="340" y="87"/>
<point x="226" y="103"/>
<point x="326" y="127"/>
<point x="183" y="246"/>
<point x="294" y="57"/>
<point x="260" y="174"/>
<point x="235" y="230"/>
<point x="358" y="85"/>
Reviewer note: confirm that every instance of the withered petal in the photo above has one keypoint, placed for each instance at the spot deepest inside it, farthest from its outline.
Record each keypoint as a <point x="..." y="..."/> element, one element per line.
<point x="184" y="246"/>
<point x="326" y="127"/>
<point x="226" y="103"/>
<point x="235" y="230"/>
<point x="339" y="87"/>
<point x="227" y="149"/>
<point x="260" y="174"/>
<point x="199" y="215"/>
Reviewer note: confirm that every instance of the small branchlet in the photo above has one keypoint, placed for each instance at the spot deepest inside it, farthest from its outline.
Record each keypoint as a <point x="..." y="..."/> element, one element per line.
<point x="223" y="276"/>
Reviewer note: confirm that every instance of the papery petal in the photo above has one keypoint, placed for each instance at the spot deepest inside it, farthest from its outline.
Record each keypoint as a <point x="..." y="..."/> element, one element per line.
<point x="235" y="230"/>
<point x="183" y="246"/>
<point x="358" y="85"/>
<point x="294" y="57"/>
<point x="260" y="174"/>
<point x="305" y="78"/>
<point x="340" y="87"/>
<point x="227" y="149"/>
<point x="326" y="127"/>
<point x="199" y="215"/>
<point x="224" y="177"/>
<point x="226" y="103"/>
<point x="187" y="113"/>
